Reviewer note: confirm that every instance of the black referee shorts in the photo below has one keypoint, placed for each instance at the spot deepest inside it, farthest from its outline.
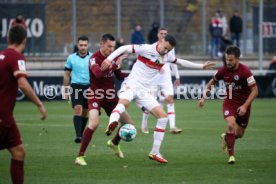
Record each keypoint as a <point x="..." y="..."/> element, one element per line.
<point x="77" y="96"/>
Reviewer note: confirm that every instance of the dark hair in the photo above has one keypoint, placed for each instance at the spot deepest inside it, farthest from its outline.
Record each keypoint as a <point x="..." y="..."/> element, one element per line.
<point x="233" y="50"/>
<point x="83" y="38"/>
<point x="171" y="40"/>
<point x="107" y="36"/>
<point x="17" y="35"/>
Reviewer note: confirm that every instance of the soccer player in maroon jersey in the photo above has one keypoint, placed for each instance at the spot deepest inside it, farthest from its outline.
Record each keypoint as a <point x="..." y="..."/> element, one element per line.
<point x="13" y="76"/>
<point x="241" y="91"/>
<point x="102" y="95"/>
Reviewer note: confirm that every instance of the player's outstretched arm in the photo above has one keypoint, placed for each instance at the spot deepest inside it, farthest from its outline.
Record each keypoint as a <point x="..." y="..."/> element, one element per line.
<point x="189" y="64"/>
<point x="209" y="65"/>
<point x="24" y="85"/>
<point x="206" y="92"/>
<point x="121" y="50"/>
<point x="176" y="73"/>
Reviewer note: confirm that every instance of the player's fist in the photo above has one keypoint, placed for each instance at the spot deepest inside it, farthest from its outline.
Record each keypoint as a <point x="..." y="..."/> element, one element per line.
<point x="242" y="110"/>
<point x="201" y="102"/>
<point x="121" y="59"/>
<point x="209" y="65"/>
<point x="177" y="82"/>
<point x="106" y="64"/>
<point x="42" y="111"/>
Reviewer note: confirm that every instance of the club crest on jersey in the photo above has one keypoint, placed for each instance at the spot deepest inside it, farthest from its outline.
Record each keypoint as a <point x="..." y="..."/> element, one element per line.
<point x="95" y="104"/>
<point x="226" y="113"/>
<point x="157" y="62"/>
<point x="236" y="77"/>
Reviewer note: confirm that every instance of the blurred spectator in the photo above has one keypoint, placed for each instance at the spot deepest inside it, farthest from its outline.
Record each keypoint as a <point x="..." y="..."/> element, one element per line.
<point x="215" y="29"/>
<point x="152" y="36"/>
<point x="75" y="48"/>
<point x="19" y="20"/>
<point x="120" y="42"/>
<point x="236" y="28"/>
<point x="272" y="65"/>
<point x="223" y="20"/>
<point x="137" y="36"/>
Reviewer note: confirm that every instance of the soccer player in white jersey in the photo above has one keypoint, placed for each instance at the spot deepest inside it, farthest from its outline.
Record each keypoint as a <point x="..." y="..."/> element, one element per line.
<point x="136" y="86"/>
<point x="163" y="88"/>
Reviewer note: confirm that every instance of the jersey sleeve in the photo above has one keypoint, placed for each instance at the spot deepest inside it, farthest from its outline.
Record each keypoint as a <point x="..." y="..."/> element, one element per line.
<point x="94" y="67"/>
<point x="249" y="77"/>
<point x="175" y="70"/>
<point x="139" y="49"/>
<point x="218" y="75"/>
<point x="68" y="64"/>
<point x="18" y="67"/>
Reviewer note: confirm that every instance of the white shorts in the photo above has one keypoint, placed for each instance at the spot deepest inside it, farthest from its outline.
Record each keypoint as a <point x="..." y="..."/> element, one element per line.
<point x="166" y="89"/>
<point x="140" y="95"/>
<point x="163" y="85"/>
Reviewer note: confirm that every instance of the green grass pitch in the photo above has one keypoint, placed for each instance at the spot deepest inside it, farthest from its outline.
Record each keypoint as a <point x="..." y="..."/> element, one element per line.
<point x="194" y="156"/>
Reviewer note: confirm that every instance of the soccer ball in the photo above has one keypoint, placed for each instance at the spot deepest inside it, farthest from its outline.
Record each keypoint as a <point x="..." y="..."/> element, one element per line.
<point x="127" y="132"/>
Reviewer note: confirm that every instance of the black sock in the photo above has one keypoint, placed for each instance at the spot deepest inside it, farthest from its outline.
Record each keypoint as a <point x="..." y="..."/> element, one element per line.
<point x="77" y="124"/>
<point x="83" y="124"/>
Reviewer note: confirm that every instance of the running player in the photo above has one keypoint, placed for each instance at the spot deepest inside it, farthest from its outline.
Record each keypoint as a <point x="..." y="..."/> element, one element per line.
<point x="163" y="85"/>
<point x="241" y="91"/>
<point x="13" y="76"/>
<point x="137" y="85"/>
<point x="102" y="95"/>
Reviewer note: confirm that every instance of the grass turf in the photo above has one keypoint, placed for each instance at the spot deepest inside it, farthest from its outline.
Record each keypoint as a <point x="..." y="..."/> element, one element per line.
<point x="194" y="156"/>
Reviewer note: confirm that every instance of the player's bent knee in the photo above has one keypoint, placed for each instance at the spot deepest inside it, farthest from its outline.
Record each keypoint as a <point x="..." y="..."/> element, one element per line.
<point x="169" y="100"/>
<point x="78" y="110"/>
<point x="18" y="152"/>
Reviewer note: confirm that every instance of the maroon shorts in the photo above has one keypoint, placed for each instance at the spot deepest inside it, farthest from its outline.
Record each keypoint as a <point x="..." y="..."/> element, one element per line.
<point x="231" y="110"/>
<point x="9" y="136"/>
<point x="107" y="104"/>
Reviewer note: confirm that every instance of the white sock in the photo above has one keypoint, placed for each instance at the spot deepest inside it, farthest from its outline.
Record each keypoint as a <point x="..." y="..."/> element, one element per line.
<point x="145" y="118"/>
<point x="158" y="134"/>
<point x="171" y="115"/>
<point x="116" y="113"/>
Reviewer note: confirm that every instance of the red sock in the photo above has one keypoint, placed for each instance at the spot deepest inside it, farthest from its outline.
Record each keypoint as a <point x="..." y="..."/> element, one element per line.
<point x="117" y="138"/>
<point x="87" y="136"/>
<point x="230" y="141"/>
<point x="17" y="171"/>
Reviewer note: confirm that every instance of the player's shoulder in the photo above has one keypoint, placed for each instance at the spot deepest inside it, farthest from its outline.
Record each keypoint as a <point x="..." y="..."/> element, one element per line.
<point x="244" y="67"/>
<point x="96" y="54"/>
<point x="244" y="70"/>
<point x="146" y="46"/>
<point x="12" y="55"/>
<point x="97" y="57"/>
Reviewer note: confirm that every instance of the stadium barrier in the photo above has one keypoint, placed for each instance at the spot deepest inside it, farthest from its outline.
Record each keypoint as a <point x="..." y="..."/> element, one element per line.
<point x="48" y="85"/>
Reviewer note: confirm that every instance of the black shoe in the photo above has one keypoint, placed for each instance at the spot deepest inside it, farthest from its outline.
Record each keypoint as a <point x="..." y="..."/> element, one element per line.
<point x="78" y="140"/>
